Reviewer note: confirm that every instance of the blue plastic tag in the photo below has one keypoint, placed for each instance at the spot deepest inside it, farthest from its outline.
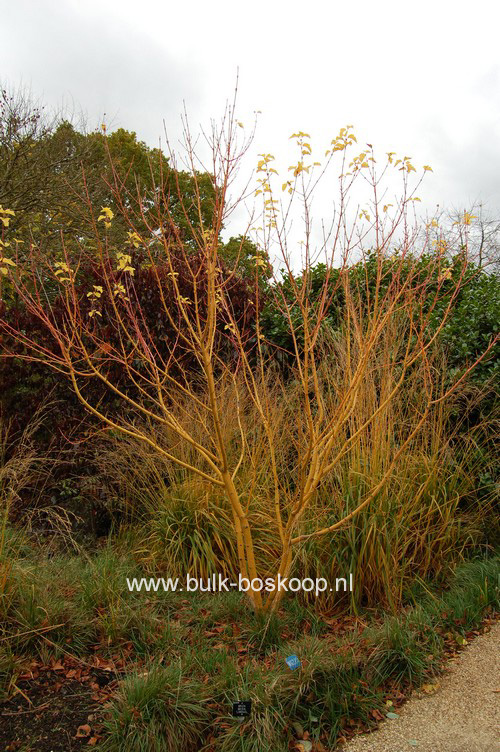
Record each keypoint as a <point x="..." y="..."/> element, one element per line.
<point x="293" y="662"/>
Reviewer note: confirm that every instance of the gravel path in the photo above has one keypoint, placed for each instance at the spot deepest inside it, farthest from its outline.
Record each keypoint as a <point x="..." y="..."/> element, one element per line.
<point x="462" y="716"/>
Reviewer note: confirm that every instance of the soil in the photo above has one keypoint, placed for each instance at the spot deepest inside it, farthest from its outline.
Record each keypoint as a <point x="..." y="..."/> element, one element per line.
<point x="58" y="708"/>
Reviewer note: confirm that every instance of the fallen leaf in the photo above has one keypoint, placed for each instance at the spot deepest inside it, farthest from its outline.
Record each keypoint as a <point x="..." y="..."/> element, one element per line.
<point x="304" y="746"/>
<point x="429" y="689"/>
<point x="83" y="730"/>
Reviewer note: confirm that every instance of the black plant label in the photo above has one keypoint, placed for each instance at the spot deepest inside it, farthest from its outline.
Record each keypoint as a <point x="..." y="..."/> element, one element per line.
<point x="242" y="709"/>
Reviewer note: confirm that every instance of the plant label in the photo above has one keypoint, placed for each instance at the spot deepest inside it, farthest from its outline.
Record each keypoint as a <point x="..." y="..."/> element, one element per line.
<point x="242" y="709"/>
<point x="292" y="662"/>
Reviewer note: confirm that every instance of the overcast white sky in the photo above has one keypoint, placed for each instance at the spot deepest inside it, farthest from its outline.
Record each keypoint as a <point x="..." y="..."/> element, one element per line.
<point x="422" y="79"/>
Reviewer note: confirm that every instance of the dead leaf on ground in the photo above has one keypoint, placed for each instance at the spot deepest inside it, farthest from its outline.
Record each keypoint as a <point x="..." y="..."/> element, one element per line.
<point x="304" y="746"/>
<point x="83" y="730"/>
<point x="430" y="689"/>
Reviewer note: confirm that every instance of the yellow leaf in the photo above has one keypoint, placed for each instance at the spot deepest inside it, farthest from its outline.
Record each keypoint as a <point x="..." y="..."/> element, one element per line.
<point x="5" y="215"/>
<point x="134" y="238"/>
<point x="445" y="275"/>
<point x="429" y="169"/>
<point x="106" y="215"/>
<point x="430" y="689"/>
<point x="124" y="261"/>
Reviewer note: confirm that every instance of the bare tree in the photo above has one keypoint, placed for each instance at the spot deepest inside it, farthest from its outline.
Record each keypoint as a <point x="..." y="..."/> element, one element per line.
<point x="372" y="263"/>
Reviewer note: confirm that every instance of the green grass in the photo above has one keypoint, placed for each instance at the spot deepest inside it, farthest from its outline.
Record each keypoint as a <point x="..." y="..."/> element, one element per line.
<point x="475" y="588"/>
<point x="191" y="656"/>
<point x="158" y="711"/>
<point x="78" y="602"/>
<point x="407" y="649"/>
<point x="10" y="665"/>
<point x="404" y="651"/>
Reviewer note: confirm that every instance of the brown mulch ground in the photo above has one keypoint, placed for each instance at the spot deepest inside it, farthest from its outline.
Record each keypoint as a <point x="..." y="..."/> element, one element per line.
<point x="56" y="708"/>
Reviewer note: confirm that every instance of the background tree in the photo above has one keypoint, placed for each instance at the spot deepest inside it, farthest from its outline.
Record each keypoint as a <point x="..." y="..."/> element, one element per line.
<point x="56" y="177"/>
